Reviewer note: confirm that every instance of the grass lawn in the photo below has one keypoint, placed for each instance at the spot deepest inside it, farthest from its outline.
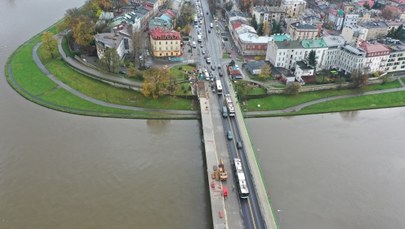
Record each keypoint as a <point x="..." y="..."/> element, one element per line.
<point x="278" y="102"/>
<point x="30" y="82"/>
<point x="358" y="103"/>
<point x="107" y="93"/>
<point x="180" y="71"/>
<point x="225" y="55"/>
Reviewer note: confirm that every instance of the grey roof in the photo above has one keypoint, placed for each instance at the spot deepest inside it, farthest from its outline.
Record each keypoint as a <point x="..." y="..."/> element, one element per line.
<point x="110" y="40"/>
<point x="379" y="24"/>
<point x="255" y="64"/>
<point x="238" y="13"/>
<point x="288" y="44"/>
<point x="269" y="9"/>
<point x="393" y="44"/>
<point x="334" y="41"/>
<point x="300" y="25"/>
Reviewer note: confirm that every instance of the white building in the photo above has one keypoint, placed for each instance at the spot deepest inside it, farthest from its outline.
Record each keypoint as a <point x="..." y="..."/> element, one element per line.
<point x="331" y="58"/>
<point x="354" y="34"/>
<point x="115" y="41"/>
<point x="396" y="60"/>
<point x="286" y="53"/>
<point x="351" y="20"/>
<point x="293" y="8"/>
<point x="376" y="57"/>
<point x="350" y="58"/>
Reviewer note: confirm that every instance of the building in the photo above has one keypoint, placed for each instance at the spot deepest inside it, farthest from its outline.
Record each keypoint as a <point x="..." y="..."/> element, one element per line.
<point x="268" y="13"/>
<point x="396" y="60"/>
<point x="293" y="8"/>
<point x="375" y="30"/>
<point x="336" y="17"/>
<point x="165" y="42"/>
<point x="331" y="58"/>
<point x="286" y="53"/>
<point x="134" y="19"/>
<point x="350" y="58"/>
<point x="254" y="67"/>
<point x="354" y="34"/>
<point x="376" y="57"/>
<point x="351" y="19"/>
<point x="113" y="40"/>
<point x="301" y="70"/>
<point x="301" y="31"/>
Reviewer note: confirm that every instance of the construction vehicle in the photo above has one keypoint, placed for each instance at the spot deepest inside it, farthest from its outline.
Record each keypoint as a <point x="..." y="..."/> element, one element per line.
<point x="223" y="175"/>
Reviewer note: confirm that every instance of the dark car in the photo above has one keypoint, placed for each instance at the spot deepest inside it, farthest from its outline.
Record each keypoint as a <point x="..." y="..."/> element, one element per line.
<point x="213" y="67"/>
<point x="239" y="145"/>
<point x="209" y="31"/>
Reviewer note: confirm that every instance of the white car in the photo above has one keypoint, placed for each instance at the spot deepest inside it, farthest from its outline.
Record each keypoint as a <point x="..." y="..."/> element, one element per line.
<point x="203" y="52"/>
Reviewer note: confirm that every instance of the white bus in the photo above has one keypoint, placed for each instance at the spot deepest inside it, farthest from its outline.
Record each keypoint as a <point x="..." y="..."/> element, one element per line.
<point x="219" y="87"/>
<point x="240" y="179"/>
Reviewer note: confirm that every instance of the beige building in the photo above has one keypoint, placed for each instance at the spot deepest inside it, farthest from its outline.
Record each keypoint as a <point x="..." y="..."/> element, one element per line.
<point x="354" y="34"/>
<point x="165" y="42"/>
<point x="300" y="31"/>
<point x="267" y="13"/>
<point x="375" y="30"/>
<point x="293" y="8"/>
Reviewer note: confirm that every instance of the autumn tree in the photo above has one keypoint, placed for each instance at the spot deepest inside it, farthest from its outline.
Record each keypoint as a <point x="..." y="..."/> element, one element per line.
<point x="83" y="31"/>
<point x="265" y="72"/>
<point x="390" y="13"/>
<point x="266" y="28"/>
<point x="50" y="45"/>
<point x="292" y="88"/>
<point x="358" y="79"/>
<point x="111" y="60"/>
<point x="133" y="72"/>
<point x="156" y="82"/>
<point x="69" y="19"/>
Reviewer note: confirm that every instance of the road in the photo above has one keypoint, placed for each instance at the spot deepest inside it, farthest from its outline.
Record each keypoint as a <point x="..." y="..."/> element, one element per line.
<point x="250" y="211"/>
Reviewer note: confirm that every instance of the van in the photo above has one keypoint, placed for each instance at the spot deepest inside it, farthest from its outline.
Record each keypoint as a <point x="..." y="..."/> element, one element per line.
<point x="229" y="135"/>
<point x="224" y="112"/>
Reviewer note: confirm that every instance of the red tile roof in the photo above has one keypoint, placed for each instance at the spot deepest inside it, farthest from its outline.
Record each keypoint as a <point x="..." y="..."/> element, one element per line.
<point x="161" y="34"/>
<point x="236" y="24"/>
<point x="374" y="49"/>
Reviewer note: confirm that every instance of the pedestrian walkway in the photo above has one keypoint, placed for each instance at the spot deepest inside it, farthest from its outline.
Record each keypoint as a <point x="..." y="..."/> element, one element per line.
<point x="94" y="73"/>
<point x="168" y="113"/>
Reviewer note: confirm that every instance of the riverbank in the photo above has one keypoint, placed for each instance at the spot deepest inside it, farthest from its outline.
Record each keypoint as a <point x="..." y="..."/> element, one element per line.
<point x="73" y="91"/>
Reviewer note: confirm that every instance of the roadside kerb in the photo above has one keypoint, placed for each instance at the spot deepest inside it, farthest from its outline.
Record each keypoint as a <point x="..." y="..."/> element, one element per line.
<point x="264" y="203"/>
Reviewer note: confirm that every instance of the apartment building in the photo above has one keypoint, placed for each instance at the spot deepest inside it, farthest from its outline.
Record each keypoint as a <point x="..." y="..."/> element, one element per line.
<point x="376" y="57"/>
<point x="165" y="42"/>
<point x="302" y="30"/>
<point x="293" y="8"/>
<point x="268" y="13"/>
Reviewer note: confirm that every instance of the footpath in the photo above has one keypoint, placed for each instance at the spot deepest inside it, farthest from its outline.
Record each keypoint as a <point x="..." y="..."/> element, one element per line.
<point x="105" y="77"/>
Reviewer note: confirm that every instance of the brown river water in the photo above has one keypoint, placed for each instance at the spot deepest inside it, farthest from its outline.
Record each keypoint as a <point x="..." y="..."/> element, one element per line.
<point x="59" y="170"/>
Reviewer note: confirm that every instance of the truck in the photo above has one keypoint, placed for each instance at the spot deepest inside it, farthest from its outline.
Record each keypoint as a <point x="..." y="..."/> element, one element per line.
<point x="229" y="105"/>
<point x="223" y="175"/>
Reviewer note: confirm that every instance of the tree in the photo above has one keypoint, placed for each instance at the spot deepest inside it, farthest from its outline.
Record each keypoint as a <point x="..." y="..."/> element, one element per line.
<point x="292" y="88"/>
<point x="266" y="28"/>
<point x="265" y="72"/>
<point x="242" y="89"/>
<point x="83" y="31"/>
<point x="275" y="28"/>
<point x="253" y="23"/>
<point x="260" y="29"/>
<point x="312" y="60"/>
<point x="50" y="44"/>
<point x="111" y="60"/>
<point x="390" y="13"/>
<point x="156" y="82"/>
<point x="358" y="79"/>
<point x="133" y="72"/>
<point x="229" y="6"/>
<point x="398" y="33"/>
<point x="367" y="6"/>
<point x="137" y="46"/>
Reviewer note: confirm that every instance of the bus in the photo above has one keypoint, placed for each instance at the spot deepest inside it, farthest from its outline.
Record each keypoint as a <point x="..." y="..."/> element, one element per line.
<point x="219" y="87"/>
<point x="229" y="104"/>
<point x="240" y="179"/>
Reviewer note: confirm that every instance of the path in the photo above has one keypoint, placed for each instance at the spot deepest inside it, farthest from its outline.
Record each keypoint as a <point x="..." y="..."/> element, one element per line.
<point x="307" y="104"/>
<point x="174" y="113"/>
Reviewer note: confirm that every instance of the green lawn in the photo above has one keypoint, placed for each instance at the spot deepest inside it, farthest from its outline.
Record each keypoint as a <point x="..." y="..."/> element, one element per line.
<point x="278" y="102"/>
<point x="179" y="72"/>
<point x="358" y="103"/>
<point x="30" y="82"/>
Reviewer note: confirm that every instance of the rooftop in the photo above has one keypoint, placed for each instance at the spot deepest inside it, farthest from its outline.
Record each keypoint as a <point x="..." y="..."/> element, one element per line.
<point x="314" y="43"/>
<point x="110" y="40"/>
<point x="281" y="37"/>
<point x="393" y="44"/>
<point x="254" y="38"/>
<point x="378" y="24"/>
<point x="300" y="25"/>
<point x="333" y="41"/>
<point x="373" y="48"/>
<point x="354" y="50"/>
<point x="162" y="34"/>
<point x="268" y="9"/>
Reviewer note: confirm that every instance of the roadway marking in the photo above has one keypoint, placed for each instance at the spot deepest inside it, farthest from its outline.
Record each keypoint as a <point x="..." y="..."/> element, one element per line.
<point x="251" y="213"/>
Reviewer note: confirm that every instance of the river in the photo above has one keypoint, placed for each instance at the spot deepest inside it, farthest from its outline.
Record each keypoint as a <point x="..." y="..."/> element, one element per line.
<point x="61" y="170"/>
<point x="341" y="170"/>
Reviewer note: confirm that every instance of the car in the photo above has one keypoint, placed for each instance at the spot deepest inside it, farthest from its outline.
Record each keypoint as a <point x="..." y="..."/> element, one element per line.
<point x="203" y="52"/>
<point x="239" y="145"/>
<point x="209" y="31"/>
<point x="201" y="46"/>
<point x="213" y="67"/>
<point x="147" y="53"/>
<point x="123" y="72"/>
<point x="229" y="135"/>
<point x="220" y="74"/>
<point x="219" y="66"/>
